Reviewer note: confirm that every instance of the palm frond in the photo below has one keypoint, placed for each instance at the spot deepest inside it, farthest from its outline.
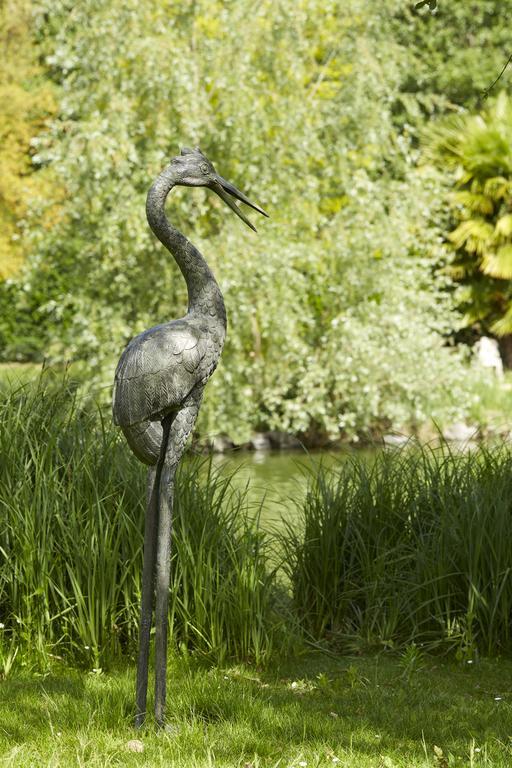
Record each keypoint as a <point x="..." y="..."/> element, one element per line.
<point x="504" y="225"/>
<point x="474" y="235"/>
<point x="498" y="263"/>
<point x="498" y="187"/>
<point x="503" y="326"/>
<point x="474" y="202"/>
<point x="477" y="149"/>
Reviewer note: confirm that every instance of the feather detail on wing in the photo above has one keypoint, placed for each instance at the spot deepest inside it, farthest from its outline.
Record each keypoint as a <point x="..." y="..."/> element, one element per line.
<point x="156" y="372"/>
<point x="145" y="440"/>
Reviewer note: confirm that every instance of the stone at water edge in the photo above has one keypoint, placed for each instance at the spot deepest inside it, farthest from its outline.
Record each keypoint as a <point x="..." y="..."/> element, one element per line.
<point x="259" y="442"/>
<point x="221" y="444"/>
<point x="460" y="432"/>
<point x="134" y="745"/>
<point x="397" y="441"/>
<point x="283" y="440"/>
<point x="488" y="354"/>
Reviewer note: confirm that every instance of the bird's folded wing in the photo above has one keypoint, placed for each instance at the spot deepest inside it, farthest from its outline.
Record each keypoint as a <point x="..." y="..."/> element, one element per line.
<point x="156" y="372"/>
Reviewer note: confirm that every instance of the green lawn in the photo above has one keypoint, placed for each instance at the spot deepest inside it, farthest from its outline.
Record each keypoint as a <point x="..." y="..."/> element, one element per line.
<point x="311" y="711"/>
<point x="13" y="375"/>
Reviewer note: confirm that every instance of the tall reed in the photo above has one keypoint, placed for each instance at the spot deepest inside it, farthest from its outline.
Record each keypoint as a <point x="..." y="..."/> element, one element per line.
<point x="224" y="590"/>
<point x="415" y="546"/>
<point x="71" y="523"/>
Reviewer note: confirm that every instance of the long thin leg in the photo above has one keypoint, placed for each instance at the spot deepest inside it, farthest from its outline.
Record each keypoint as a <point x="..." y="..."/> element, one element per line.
<point x="146" y="609"/>
<point x="163" y="569"/>
<point x="179" y="430"/>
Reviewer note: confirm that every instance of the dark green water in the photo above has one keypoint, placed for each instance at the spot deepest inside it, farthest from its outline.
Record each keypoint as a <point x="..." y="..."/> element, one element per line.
<point x="274" y="479"/>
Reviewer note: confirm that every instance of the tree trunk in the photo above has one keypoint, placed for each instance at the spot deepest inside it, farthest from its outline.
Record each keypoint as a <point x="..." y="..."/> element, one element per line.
<point x="505" y="344"/>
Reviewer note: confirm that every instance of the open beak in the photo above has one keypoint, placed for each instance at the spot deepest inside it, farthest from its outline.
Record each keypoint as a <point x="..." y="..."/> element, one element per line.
<point x="226" y="191"/>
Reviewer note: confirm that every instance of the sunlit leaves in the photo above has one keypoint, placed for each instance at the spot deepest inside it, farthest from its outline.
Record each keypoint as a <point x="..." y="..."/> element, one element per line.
<point x="25" y="103"/>
<point x="499" y="262"/>
<point x="474" y="235"/>
<point x="479" y="150"/>
<point x="504" y="225"/>
<point x="294" y="102"/>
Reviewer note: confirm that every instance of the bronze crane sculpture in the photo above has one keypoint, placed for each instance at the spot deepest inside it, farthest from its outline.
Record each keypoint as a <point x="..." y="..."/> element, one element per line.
<point x="158" y="387"/>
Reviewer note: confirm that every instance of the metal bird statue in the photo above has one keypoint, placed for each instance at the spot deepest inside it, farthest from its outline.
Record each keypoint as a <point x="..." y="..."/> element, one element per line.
<point x="158" y="387"/>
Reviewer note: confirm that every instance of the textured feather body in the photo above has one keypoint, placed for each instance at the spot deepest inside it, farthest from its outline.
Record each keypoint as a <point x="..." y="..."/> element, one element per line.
<point x="160" y="367"/>
<point x="145" y="440"/>
<point x="162" y="372"/>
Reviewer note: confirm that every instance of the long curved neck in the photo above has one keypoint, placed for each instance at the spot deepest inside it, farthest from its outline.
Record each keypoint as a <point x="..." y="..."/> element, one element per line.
<point x="204" y="295"/>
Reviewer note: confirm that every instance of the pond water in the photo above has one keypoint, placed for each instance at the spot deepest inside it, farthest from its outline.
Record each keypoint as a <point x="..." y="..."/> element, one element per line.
<point x="274" y="479"/>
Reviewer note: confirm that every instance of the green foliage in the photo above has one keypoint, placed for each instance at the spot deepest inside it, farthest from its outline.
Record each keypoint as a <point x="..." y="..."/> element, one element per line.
<point x="478" y="148"/>
<point x="451" y="57"/>
<point x="337" y="318"/>
<point x="413" y="548"/>
<point x="71" y="538"/>
<point x="26" y="102"/>
<point x="223" y="590"/>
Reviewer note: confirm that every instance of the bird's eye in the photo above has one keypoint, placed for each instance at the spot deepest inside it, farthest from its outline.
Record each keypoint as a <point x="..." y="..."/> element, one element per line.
<point x="204" y="168"/>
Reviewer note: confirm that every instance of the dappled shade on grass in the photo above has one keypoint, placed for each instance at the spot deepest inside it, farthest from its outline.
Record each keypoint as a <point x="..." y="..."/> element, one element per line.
<point x="311" y="709"/>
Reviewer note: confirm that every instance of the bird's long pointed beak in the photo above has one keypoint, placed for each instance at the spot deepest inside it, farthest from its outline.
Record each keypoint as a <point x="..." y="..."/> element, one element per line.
<point x="226" y="191"/>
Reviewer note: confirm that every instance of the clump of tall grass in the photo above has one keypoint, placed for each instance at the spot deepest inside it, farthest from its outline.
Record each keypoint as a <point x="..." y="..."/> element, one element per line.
<point x="71" y="533"/>
<point x="224" y="590"/>
<point x="415" y="546"/>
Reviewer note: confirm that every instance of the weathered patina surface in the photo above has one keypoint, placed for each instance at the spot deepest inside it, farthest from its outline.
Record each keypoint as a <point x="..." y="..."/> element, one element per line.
<point x="158" y="388"/>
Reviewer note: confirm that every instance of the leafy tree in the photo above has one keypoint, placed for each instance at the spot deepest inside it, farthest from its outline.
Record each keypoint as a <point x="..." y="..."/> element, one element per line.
<point x="338" y="319"/>
<point x="450" y="56"/>
<point x="26" y="102"/>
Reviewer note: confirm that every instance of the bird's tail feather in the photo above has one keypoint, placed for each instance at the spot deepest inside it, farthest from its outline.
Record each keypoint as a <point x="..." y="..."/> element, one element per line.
<point x="145" y="440"/>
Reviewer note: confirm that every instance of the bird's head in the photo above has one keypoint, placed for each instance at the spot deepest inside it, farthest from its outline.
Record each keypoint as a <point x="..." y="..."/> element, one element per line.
<point x="193" y="169"/>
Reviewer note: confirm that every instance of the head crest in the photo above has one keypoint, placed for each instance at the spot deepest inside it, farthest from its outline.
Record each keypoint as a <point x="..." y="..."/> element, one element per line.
<point x="189" y="151"/>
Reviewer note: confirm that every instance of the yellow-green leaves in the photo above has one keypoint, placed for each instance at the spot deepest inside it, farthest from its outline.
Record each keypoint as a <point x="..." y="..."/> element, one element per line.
<point x="26" y="102"/>
<point x="337" y="317"/>
<point x="478" y="148"/>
